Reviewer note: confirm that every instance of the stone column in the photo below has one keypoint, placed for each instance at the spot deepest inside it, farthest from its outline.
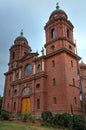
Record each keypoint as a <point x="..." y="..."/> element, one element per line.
<point x="13" y="75"/>
<point x="19" y="73"/>
<point x="34" y="68"/>
<point x="43" y="67"/>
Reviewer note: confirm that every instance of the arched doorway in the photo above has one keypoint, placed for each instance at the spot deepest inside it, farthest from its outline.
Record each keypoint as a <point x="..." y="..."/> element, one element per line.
<point x="25" y="102"/>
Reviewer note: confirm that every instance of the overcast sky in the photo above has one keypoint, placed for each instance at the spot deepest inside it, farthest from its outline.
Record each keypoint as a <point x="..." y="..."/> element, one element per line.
<point x="31" y="16"/>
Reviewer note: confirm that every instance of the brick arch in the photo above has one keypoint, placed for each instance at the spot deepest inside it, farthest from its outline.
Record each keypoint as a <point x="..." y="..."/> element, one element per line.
<point x="26" y="101"/>
<point x="26" y="91"/>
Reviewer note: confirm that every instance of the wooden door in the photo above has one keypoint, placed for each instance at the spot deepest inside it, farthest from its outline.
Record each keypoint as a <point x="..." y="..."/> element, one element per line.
<point x="25" y="105"/>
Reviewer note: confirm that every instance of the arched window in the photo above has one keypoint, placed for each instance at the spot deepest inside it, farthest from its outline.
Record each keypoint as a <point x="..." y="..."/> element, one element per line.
<point x="68" y="33"/>
<point x="53" y="33"/>
<point x="75" y="100"/>
<point x="10" y="78"/>
<point x="71" y="63"/>
<point x="38" y="103"/>
<point x="53" y="63"/>
<point x="8" y="106"/>
<point x="38" y="86"/>
<point x="14" y="106"/>
<point x="73" y="82"/>
<point x="15" y="91"/>
<point x="9" y="93"/>
<point x="13" y="56"/>
<point x="71" y="109"/>
<point x="25" y="52"/>
<point x="39" y="67"/>
<point x="26" y="91"/>
<point x="54" y="82"/>
<point x="70" y="47"/>
<point x="17" y="75"/>
<point x="52" y="47"/>
<point x="54" y="100"/>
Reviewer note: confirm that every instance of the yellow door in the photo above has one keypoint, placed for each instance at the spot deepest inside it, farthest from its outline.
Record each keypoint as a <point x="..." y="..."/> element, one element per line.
<point x="25" y="105"/>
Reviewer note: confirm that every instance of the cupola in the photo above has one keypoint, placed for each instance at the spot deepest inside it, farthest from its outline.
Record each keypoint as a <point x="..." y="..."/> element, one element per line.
<point x="57" y="13"/>
<point x="21" y="39"/>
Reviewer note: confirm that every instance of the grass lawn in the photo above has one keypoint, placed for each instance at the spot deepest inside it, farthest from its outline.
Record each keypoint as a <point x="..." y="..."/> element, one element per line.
<point x="8" y="125"/>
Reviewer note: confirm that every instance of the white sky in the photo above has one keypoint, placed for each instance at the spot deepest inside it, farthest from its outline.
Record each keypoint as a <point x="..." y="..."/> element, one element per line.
<point x="31" y="16"/>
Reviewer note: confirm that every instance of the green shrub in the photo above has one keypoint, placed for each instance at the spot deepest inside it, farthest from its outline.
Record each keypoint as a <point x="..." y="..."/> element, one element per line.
<point x="47" y="118"/>
<point x="5" y="115"/>
<point x="31" y="118"/>
<point x="79" y="122"/>
<point x="60" y="120"/>
<point x="63" y="120"/>
<point x="25" y="116"/>
<point x="55" y="119"/>
<point x="67" y="120"/>
<point x="46" y="115"/>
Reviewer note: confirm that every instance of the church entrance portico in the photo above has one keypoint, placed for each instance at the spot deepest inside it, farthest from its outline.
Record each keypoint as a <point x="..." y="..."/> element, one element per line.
<point x="25" y="101"/>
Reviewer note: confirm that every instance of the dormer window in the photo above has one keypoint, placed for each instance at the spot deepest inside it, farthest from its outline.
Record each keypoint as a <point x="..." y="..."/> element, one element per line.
<point x="53" y="33"/>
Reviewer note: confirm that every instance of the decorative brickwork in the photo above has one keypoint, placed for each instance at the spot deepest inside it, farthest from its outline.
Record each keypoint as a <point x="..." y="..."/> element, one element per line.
<point x="49" y="82"/>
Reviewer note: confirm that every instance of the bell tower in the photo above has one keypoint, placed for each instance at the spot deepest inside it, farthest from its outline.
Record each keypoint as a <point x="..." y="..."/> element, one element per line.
<point x="61" y="64"/>
<point x="18" y="50"/>
<point x="59" y="32"/>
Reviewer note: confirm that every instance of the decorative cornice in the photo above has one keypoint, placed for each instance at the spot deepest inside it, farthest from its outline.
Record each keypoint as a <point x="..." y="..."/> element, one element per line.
<point x="57" y="39"/>
<point x="63" y="50"/>
<point x="29" y="79"/>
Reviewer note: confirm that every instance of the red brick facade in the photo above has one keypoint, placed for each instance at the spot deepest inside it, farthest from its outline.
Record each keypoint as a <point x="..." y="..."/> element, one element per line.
<point x="48" y="82"/>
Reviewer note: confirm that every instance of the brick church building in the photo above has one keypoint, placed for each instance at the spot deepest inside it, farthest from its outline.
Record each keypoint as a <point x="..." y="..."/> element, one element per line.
<point x="36" y="83"/>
